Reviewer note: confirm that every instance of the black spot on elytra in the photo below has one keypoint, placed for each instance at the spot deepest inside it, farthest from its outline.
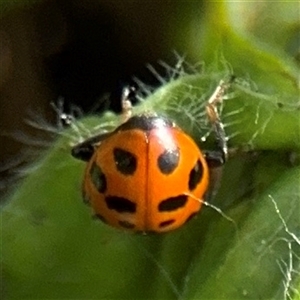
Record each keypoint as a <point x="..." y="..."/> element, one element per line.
<point x="126" y="224"/>
<point x="195" y="175"/>
<point x="168" y="161"/>
<point x="172" y="203"/>
<point x="125" y="161"/>
<point x="119" y="204"/>
<point x="98" y="178"/>
<point x="166" y="223"/>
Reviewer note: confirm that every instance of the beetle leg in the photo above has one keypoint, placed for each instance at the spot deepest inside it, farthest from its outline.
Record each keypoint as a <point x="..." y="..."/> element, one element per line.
<point x="85" y="150"/>
<point x="219" y="156"/>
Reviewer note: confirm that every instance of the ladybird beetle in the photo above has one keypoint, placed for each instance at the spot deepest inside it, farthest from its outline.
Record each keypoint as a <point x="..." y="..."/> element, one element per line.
<point x="148" y="175"/>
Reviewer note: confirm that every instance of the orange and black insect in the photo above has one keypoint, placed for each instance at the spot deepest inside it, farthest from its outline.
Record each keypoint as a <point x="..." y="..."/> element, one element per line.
<point x="147" y="175"/>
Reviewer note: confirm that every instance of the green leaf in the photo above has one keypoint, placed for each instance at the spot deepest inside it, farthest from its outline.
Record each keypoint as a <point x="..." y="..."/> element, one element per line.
<point x="263" y="253"/>
<point x="243" y="245"/>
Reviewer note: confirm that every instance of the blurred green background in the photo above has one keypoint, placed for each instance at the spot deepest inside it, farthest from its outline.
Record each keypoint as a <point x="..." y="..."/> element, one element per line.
<point x="51" y="248"/>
